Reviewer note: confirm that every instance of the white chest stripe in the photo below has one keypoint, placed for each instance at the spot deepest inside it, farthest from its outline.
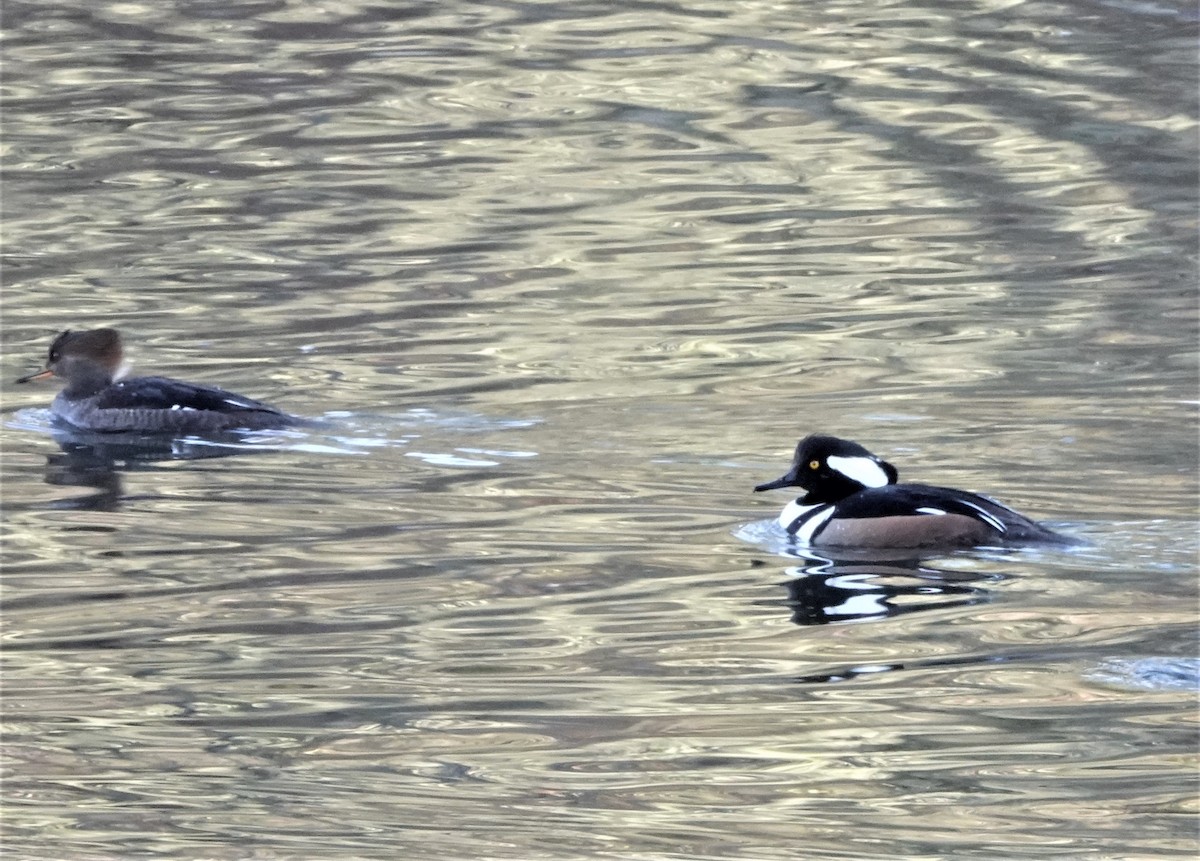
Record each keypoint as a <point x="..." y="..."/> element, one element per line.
<point x="803" y="521"/>
<point x="861" y="469"/>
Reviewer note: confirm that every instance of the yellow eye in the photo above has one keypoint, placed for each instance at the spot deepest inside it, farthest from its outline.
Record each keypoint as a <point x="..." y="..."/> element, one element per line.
<point x="814" y="464"/>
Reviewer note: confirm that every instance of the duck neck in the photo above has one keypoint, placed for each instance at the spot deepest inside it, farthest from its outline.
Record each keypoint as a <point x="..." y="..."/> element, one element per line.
<point x="84" y="378"/>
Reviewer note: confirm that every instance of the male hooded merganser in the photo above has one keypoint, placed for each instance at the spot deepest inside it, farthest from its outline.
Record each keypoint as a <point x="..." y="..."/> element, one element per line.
<point x="96" y="398"/>
<point x="853" y="501"/>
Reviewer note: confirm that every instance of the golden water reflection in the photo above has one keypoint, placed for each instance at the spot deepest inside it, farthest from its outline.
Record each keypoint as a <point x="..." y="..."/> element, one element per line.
<point x="565" y="282"/>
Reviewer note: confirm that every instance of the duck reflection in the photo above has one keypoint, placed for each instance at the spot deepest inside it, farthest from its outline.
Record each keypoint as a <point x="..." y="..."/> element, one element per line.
<point x="98" y="461"/>
<point x="827" y="590"/>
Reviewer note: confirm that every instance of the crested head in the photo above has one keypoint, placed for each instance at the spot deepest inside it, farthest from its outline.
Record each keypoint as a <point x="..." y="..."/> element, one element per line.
<point x="823" y="445"/>
<point x="831" y="469"/>
<point x="830" y="458"/>
<point x="87" y="360"/>
<point x="98" y="345"/>
<point x="75" y="354"/>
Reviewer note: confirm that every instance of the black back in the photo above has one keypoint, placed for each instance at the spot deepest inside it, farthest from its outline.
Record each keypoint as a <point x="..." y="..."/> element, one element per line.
<point x="164" y="393"/>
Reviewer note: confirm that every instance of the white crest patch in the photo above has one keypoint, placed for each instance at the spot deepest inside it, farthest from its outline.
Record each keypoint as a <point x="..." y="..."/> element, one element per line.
<point x="865" y="471"/>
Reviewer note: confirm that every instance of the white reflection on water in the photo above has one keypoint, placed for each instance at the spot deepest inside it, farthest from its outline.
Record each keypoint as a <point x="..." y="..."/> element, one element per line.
<point x="1150" y="674"/>
<point x="369" y="432"/>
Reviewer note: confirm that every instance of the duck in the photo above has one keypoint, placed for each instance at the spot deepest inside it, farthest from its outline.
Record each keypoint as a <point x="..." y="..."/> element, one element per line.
<point x="853" y="500"/>
<point x="100" y="398"/>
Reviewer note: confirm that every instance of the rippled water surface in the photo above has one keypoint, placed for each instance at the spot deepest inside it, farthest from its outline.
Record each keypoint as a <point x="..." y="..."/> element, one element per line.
<point x="565" y="280"/>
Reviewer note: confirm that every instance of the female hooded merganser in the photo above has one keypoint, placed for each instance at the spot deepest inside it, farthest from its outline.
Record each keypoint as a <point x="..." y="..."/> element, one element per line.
<point x="853" y="501"/>
<point x="96" y="398"/>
